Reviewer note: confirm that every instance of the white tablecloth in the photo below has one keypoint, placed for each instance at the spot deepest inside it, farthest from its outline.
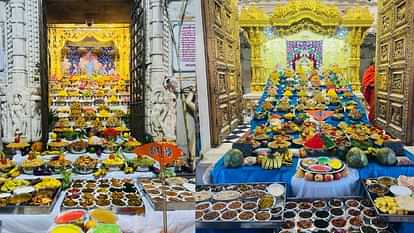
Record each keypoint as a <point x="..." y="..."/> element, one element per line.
<point x="347" y="186"/>
<point x="151" y="222"/>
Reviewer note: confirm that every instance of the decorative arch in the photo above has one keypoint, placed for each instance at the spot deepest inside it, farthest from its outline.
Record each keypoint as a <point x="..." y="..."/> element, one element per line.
<point x="299" y="15"/>
<point x="60" y="34"/>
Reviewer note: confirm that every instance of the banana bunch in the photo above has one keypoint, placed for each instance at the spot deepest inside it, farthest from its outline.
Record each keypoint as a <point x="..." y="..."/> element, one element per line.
<point x="272" y="162"/>
<point x="101" y="172"/>
<point x="11" y="185"/>
<point x="48" y="183"/>
<point x="287" y="158"/>
<point x="13" y="173"/>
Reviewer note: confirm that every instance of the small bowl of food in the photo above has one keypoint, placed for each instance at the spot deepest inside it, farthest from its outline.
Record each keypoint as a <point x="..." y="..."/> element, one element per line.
<point x="378" y="190"/>
<point x="352" y="203"/>
<point x="305" y="214"/>
<point x="219" y="206"/>
<point x="288" y="225"/>
<point x="249" y="206"/>
<point x="368" y="215"/>
<point x="246" y="216"/>
<point x="199" y="215"/>
<point x="234" y="205"/>
<point x="263" y="216"/>
<point x="355" y="223"/>
<point x="336" y="203"/>
<point x="290" y="205"/>
<point x="229" y="215"/>
<point x="366" y="203"/>
<point x="322" y="214"/>
<point x="289" y="215"/>
<point x="321" y="224"/>
<point x="353" y="212"/>
<point x="305" y="224"/>
<point x="276" y="212"/>
<point x="338" y="223"/>
<point x="319" y="204"/>
<point x="305" y="206"/>
<point x="211" y="216"/>
<point x="337" y="212"/>
<point x="378" y="224"/>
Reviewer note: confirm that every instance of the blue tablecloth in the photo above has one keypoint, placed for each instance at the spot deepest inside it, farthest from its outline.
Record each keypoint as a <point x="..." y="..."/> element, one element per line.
<point x="347" y="186"/>
<point x="251" y="174"/>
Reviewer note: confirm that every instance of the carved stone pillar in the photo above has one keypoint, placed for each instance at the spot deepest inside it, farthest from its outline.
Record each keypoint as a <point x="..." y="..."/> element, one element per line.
<point x="355" y="38"/>
<point x="257" y="39"/>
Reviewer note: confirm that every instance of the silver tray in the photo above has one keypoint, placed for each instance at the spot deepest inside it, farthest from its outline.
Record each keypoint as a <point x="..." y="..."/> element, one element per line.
<point x="171" y="205"/>
<point x="388" y="217"/>
<point x="30" y="209"/>
<point x="271" y="224"/>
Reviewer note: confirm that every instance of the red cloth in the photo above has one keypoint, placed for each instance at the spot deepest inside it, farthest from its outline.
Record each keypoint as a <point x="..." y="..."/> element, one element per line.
<point x="368" y="90"/>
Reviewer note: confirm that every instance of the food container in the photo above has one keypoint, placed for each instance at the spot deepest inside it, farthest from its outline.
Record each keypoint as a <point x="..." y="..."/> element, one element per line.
<point x="336" y="212"/>
<point x="377" y="190"/>
<point x="218" y="206"/>
<point x="249" y="206"/>
<point x="378" y="224"/>
<point x="321" y="224"/>
<point x="304" y="206"/>
<point x="246" y="216"/>
<point x="305" y="214"/>
<point x="336" y="203"/>
<point x="368" y="215"/>
<point x="288" y="225"/>
<point x="289" y="215"/>
<point x="352" y="203"/>
<point x="366" y="203"/>
<point x="306" y="224"/>
<point x="262" y="216"/>
<point x="234" y="205"/>
<point x="322" y="214"/>
<point x="338" y="223"/>
<point x="229" y="215"/>
<point x="290" y="205"/>
<point x="319" y="204"/>
<point x="367" y="229"/>
<point x="353" y="212"/>
<point x="355" y="223"/>
<point x="211" y="216"/>
<point x="276" y="212"/>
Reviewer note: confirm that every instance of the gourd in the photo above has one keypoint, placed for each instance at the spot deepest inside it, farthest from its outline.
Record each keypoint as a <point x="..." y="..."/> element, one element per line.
<point x="356" y="158"/>
<point x="233" y="158"/>
<point x="386" y="156"/>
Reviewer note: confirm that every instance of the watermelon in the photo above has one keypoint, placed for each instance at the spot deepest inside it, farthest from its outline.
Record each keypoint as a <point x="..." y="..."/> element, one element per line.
<point x="356" y="158"/>
<point x="386" y="156"/>
<point x="233" y="158"/>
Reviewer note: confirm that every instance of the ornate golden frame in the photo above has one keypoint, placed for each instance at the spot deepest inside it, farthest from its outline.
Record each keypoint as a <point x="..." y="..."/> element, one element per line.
<point x="59" y="34"/>
<point x="297" y="15"/>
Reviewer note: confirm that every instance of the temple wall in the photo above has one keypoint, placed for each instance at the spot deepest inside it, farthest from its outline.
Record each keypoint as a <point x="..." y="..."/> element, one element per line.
<point x="19" y="80"/>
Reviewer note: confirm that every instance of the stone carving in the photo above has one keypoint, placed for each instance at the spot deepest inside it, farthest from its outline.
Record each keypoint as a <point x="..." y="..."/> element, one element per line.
<point x="382" y="109"/>
<point x="397" y="84"/>
<point x="400" y="13"/>
<point x="386" y="23"/>
<point x="396" y="115"/>
<point x="384" y="53"/>
<point x="382" y="82"/>
<point x="164" y="113"/>
<point x="18" y="113"/>
<point x="35" y="118"/>
<point x="399" y="48"/>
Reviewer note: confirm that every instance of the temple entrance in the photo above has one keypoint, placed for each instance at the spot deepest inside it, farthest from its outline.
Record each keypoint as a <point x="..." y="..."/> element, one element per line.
<point x="95" y="75"/>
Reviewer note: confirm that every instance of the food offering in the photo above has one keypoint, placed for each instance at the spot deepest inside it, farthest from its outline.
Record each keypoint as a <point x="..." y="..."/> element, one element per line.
<point x="80" y="221"/>
<point x="59" y="164"/>
<point x="29" y="196"/>
<point x="31" y="163"/>
<point x="179" y="193"/>
<point x="248" y="205"/>
<point x="78" y="147"/>
<point x="114" y="162"/>
<point x="392" y="198"/>
<point x="130" y="145"/>
<point x="85" y="164"/>
<point x="6" y="164"/>
<point x="331" y="215"/>
<point x="321" y="169"/>
<point x="118" y="195"/>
